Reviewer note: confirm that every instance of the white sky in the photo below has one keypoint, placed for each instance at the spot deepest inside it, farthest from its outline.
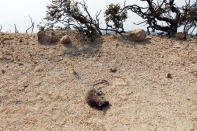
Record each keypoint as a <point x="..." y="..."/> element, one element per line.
<point x="18" y="12"/>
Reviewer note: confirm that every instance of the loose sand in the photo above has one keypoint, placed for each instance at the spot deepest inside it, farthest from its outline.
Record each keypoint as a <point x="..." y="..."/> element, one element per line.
<point x="38" y="90"/>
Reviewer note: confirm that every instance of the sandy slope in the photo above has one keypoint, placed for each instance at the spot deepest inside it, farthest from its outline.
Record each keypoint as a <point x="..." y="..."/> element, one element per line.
<point x="38" y="90"/>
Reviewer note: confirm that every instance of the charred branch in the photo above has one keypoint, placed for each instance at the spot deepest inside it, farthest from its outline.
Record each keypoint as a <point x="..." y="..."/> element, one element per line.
<point x="1" y="27"/>
<point x="31" y="27"/>
<point x="73" y="15"/>
<point x="15" y="29"/>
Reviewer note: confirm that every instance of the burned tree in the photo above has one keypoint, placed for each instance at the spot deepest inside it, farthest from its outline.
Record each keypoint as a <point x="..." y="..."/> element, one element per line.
<point x="73" y="15"/>
<point x="117" y="17"/>
<point x="189" y="17"/>
<point x="166" y="12"/>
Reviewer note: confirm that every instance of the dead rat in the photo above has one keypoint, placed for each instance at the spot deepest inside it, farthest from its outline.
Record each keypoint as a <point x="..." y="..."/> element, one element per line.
<point x="96" y="98"/>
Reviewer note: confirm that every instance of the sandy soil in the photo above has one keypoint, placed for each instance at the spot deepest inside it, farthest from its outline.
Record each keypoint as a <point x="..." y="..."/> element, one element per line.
<point x="38" y="90"/>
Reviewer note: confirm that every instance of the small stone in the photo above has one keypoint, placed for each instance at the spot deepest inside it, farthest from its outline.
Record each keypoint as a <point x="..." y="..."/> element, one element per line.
<point x="180" y="36"/>
<point x="25" y="86"/>
<point x="3" y="71"/>
<point x="20" y="64"/>
<point x="117" y="45"/>
<point x="137" y="35"/>
<point x="168" y="75"/>
<point x="113" y="69"/>
<point x="195" y="73"/>
<point x="47" y="37"/>
<point x="65" y="40"/>
<point x="182" y="63"/>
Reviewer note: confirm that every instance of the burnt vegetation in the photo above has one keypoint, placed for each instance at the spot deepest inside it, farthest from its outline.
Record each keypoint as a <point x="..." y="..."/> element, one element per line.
<point x="71" y="14"/>
<point x="165" y="16"/>
<point x="159" y="15"/>
<point x="29" y="30"/>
